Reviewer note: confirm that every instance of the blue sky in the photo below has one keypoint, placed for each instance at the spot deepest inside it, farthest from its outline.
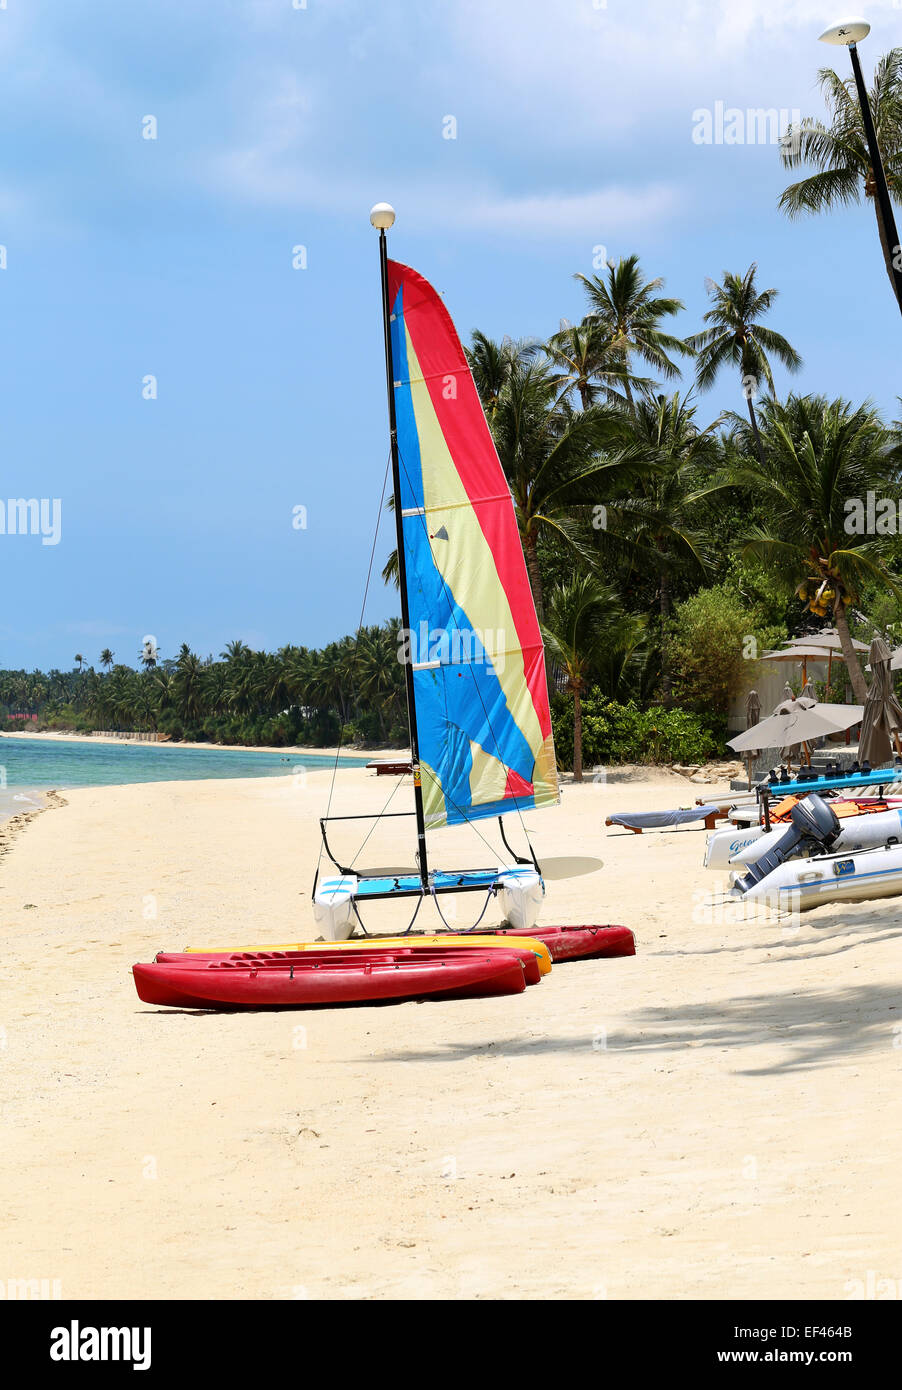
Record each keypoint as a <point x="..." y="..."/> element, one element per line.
<point x="279" y="127"/>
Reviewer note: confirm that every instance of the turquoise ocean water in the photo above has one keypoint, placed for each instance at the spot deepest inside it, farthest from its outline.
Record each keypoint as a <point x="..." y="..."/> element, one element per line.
<point x="30" y="766"/>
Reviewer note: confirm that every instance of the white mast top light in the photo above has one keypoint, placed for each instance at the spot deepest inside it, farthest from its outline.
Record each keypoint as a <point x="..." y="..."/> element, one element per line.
<point x="382" y="216"/>
<point x="845" y="32"/>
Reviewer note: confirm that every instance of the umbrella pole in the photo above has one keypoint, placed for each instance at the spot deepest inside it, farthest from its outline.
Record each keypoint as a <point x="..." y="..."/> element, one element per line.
<point x="807" y="752"/>
<point x="829" y="669"/>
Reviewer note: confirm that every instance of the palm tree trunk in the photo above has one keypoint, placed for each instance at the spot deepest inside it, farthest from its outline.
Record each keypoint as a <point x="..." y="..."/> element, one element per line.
<point x="577" y="737"/>
<point x="626" y="381"/>
<point x="888" y="251"/>
<point x="757" y="433"/>
<point x="535" y="578"/>
<point x="665" y="610"/>
<point x="859" y="685"/>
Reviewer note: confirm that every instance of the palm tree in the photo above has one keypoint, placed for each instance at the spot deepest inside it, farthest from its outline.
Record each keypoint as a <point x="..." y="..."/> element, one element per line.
<point x="187" y="685"/>
<point x="107" y="658"/>
<point x="629" y="310"/>
<point x="148" y="655"/>
<point x="79" y="661"/>
<point x="586" y="361"/>
<point x="552" y="459"/>
<point x="671" y="464"/>
<point x="574" y="630"/>
<point x="235" y="652"/>
<point x="491" y="364"/>
<point x="735" y="335"/>
<point x="380" y="675"/>
<point x="839" y="151"/>
<point x="821" y="460"/>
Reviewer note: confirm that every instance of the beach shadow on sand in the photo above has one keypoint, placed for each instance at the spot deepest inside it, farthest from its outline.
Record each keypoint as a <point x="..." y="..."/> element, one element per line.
<point x="815" y="1027"/>
<point x="814" y="941"/>
<point x="570" y="866"/>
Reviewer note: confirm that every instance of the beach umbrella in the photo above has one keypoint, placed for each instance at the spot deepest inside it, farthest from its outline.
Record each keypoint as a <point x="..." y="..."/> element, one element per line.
<point x="801" y="656"/>
<point x="882" y="718"/>
<point x="828" y="639"/>
<point x="800" y="722"/>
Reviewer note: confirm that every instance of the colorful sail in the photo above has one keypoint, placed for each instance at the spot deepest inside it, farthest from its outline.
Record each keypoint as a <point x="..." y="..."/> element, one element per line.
<point x="482" y="717"/>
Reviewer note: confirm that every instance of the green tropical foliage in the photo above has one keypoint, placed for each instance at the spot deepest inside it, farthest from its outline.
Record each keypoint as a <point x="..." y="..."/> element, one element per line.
<point x="820" y="461"/>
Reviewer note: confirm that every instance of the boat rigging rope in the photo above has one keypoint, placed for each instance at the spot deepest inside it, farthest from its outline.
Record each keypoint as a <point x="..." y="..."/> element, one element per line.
<point x="462" y="931"/>
<point x="376" y="820"/>
<point x="366" y="590"/>
<point x="409" y="926"/>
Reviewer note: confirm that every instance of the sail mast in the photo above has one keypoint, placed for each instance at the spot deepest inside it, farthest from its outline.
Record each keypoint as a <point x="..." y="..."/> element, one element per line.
<point x="382" y="217"/>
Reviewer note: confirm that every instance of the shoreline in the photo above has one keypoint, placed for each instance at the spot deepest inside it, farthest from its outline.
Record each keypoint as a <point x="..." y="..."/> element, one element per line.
<point x="284" y="749"/>
<point x="13" y="823"/>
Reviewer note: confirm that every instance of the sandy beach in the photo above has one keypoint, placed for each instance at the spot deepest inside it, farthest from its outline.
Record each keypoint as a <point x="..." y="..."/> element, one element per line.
<point x="717" y="1117"/>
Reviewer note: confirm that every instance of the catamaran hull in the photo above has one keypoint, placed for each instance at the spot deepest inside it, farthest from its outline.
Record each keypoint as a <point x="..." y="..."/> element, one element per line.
<point x="333" y="907"/>
<point x="519" y="888"/>
<point x="520" y="892"/>
<point x="865" y="831"/>
<point x="801" y="884"/>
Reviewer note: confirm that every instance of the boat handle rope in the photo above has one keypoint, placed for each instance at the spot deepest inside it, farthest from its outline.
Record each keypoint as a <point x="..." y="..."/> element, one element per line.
<point x="409" y="926"/>
<point x="462" y="931"/>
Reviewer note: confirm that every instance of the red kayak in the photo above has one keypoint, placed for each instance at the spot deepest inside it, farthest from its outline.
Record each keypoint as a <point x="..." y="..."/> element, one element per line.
<point x="285" y="959"/>
<point x="220" y="984"/>
<point x="579" y="943"/>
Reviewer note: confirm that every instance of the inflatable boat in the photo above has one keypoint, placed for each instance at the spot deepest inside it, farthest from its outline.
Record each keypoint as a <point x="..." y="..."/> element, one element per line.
<point x="804" y="868"/>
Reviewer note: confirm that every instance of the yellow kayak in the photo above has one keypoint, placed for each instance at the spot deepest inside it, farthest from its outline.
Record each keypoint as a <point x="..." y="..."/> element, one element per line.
<point x="366" y="943"/>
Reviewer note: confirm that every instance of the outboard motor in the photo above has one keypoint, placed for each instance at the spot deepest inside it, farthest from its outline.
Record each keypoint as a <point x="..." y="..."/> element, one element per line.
<point x="812" y="821"/>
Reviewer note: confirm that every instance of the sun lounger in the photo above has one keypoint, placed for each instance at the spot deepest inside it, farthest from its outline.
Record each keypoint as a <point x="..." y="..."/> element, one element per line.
<point x="638" y="821"/>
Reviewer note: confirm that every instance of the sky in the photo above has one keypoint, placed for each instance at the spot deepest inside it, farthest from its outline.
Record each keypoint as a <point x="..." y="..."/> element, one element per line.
<point x="207" y="402"/>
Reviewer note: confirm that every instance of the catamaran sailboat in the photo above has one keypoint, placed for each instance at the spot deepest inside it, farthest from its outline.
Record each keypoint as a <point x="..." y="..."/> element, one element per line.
<point x="477" y="696"/>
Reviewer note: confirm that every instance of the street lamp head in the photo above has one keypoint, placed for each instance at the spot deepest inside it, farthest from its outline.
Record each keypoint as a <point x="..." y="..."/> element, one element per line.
<point x="846" y="32"/>
<point x="382" y="216"/>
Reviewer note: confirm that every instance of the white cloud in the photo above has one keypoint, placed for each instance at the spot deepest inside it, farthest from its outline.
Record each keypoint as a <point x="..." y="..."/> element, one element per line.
<point x="601" y="212"/>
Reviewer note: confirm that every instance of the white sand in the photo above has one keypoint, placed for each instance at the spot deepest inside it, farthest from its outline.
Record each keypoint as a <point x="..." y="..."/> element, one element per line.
<point x="718" y="1117"/>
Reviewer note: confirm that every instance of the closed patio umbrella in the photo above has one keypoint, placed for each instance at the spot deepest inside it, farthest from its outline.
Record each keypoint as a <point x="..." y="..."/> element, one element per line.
<point x="882" y="718"/>
<point x="752" y="715"/>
